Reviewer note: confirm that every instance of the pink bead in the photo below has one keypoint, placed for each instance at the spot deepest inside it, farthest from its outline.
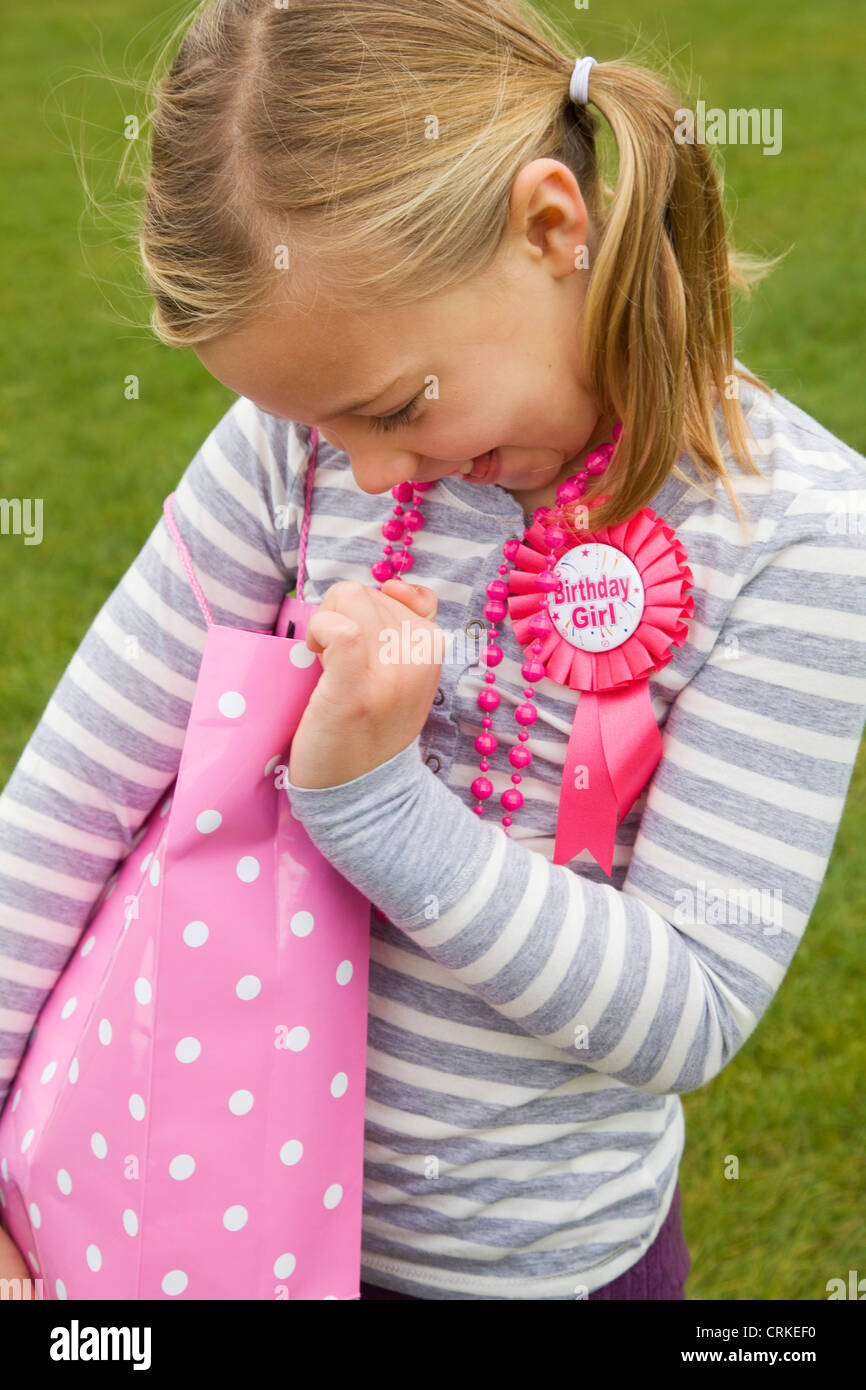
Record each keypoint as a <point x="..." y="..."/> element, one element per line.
<point x="510" y="548"/>
<point x="519" y="757"/>
<point x="596" y="462"/>
<point x="512" y="800"/>
<point x="526" y="714"/>
<point x="546" y="581"/>
<point x="484" y="765"/>
<point x="482" y="787"/>
<point x="567" y="492"/>
<point x="486" y="723"/>
<point x="492" y="655"/>
<point x="506" y="820"/>
<point x="413" y="520"/>
<point x="540" y="625"/>
<point x="523" y="735"/>
<point x="402" y="561"/>
<point x="422" y="487"/>
<point x="486" y="744"/>
<point x="392" y="530"/>
<point x="555" y="537"/>
<point x="497" y="589"/>
<point x="490" y="678"/>
<point x="479" y="810"/>
<point x="382" y="571"/>
<point x="402" y="492"/>
<point x="488" y="699"/>
<point x="516" y="777"/>
<point x="495" y="610"/>
<point x="532" y="670"/>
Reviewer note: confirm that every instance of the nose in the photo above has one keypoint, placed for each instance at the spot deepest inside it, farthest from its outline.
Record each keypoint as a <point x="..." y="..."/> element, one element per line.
<point x="376" y="468"/>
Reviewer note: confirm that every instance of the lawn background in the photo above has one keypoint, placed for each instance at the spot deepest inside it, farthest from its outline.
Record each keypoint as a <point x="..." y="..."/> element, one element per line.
<point x="790" y="1106"/>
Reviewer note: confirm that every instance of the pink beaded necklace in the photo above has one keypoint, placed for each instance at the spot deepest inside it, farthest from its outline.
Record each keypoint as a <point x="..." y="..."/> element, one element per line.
<point x="399" y="528"/>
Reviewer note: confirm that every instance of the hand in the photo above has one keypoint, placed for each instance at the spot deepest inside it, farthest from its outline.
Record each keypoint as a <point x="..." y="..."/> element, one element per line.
<point x="365" y="707"/>
<point x="13" y="1264"/>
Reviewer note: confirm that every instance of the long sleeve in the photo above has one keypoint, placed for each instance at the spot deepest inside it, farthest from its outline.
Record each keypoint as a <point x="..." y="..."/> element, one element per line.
<point x="109" y="741"/>
<point x="660" y="983"/>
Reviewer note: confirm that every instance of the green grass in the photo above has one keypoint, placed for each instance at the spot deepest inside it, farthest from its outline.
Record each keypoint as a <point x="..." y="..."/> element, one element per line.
<point x="790" y="1105"/>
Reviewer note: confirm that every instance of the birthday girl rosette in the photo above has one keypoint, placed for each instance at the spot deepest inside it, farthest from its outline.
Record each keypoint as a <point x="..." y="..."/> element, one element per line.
<point x="599" y="612"/>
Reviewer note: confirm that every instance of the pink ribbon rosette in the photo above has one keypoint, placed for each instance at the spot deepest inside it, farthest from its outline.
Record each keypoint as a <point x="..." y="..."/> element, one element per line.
<point x="599" y="613"/>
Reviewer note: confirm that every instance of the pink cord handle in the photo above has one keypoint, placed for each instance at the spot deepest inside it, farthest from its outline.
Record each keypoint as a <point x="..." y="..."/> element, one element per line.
<point x="168" y="511"/>
<point x="185" y="557"/>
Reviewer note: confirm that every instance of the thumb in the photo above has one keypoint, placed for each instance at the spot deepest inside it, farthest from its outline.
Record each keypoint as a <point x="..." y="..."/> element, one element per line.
<point x="326" y="627"/>
<point x="418" y="597"/>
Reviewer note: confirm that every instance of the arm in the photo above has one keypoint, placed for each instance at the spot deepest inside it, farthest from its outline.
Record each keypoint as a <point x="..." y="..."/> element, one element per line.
<point x="669" y="976"/>
<point x="109" y="742"/>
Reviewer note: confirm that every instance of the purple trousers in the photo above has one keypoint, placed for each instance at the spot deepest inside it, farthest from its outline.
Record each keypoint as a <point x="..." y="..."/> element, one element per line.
<point x="660" y="1273"/>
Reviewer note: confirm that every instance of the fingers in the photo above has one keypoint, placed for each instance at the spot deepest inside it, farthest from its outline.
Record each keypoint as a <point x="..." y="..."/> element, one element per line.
<point x="326" y="627"/>
<point x="418" y="597"/>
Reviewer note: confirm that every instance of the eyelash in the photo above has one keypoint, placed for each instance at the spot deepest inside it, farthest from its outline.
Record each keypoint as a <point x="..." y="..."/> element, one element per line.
<point x="393" y="422"/>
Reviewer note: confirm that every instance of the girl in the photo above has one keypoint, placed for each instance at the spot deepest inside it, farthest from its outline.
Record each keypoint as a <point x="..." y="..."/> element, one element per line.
<point x="389" y="222"/>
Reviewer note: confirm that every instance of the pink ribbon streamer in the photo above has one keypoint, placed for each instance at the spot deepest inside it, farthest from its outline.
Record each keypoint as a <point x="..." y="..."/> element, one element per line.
<point x="614" y="737"/>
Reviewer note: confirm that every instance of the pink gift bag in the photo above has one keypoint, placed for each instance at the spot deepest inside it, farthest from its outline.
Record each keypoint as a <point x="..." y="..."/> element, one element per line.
<point x="187" y="1121"/>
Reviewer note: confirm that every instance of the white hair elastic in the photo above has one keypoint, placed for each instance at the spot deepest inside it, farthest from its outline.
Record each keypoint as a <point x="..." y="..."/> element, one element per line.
<point x="578" y="88"/>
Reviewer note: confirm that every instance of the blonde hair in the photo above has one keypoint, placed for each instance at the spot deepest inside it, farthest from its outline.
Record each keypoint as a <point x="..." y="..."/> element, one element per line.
<point x="304" y="125"/>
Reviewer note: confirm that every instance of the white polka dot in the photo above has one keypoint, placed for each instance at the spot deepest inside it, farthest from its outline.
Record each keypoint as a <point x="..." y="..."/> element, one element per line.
<point x="136" y="1106"/>
<point x="27" y="1140"/>
<point x="145" y="861"/>
<point x="248" y="869"/>
<point x="61" y="1288"/>
<point x="182" y="1166"/>
<point x="291" y="1152"/>
<point x="93" y="1255"/>
<point x="98" y="1144"/>
<point x="154" y="872"/>
<point x="142" y="990"/>
<point x="298" y="1038"/>
<point x="174" y="1282"/>
<point x="235" y="1218"/>
<point x="284" y="1265"/>
<point x="300" y="655"/>
<point x="64" y="1182"/>
<point x="271" y="764"/>
<point x="339" y="1085"/>
<point x="334" y="1196"/>
<point x="164" y="809"/>
<point x="104" y="1031"/>
<point x="232" y="704"/>
<point x="48" y="1072"/>
<point x="248" y="987"/>
<point x="88" y="946"/>
<point x="302" y="923"/>
<point x="195" y="933"/>
<point x="73" y="1070"/>
<point x="208" y="821"/>
<point x="345" y="971"/>
<point x="130" y="1222"/>
<point x="17" y="1098"/>
<point x="241" y="1102"/>
<point x="188" y="1050"/>
<point x="35" y="1215"/>
<point x="69" y="1007"/>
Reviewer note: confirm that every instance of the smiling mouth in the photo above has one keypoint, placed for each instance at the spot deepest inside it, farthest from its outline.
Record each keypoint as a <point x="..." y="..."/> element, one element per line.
<point x="479" y="470"/>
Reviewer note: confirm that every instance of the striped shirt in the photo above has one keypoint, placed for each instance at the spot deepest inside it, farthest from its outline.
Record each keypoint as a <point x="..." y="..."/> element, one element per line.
<point x="531" y="1026"/>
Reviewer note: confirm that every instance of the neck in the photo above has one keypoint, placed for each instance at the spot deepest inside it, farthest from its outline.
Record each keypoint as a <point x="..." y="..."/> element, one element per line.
<point x="530" y="498"/>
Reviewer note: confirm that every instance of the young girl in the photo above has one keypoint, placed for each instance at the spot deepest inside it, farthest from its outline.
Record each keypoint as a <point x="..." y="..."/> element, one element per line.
<point x="389" y="222"/>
